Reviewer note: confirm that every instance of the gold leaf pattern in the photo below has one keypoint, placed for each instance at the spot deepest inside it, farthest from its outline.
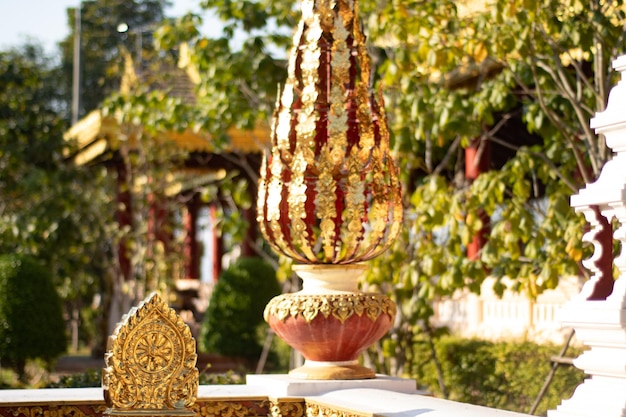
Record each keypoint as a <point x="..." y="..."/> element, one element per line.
<point x="340" y="306"/>
<point x="58" y="411"/>
<point x="331" y="194"/>
<point x="224" y="409"/>
<point x="318" y="410"/>
<point x="240" y="407"/>
<point x="287" y="408"/>
<point x="325" y="202"/>
<point x="353" y="215"/>
<point x="297" y="201"/>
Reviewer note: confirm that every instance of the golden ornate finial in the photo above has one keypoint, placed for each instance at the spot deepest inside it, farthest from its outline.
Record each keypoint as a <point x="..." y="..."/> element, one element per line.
<point x="329" y="194"/>
<point x="329" y="191"/>
<point x="151" y="363"/>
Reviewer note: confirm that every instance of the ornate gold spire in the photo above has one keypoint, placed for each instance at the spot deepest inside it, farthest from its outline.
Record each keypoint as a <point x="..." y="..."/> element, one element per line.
<point x="329" y="191"/>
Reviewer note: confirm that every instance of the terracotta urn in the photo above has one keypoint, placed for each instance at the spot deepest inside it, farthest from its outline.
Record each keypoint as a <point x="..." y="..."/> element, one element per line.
<point x="330" y="322"/>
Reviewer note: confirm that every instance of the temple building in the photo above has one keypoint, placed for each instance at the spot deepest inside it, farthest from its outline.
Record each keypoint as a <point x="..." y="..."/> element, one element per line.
<point x="98" y="140"/>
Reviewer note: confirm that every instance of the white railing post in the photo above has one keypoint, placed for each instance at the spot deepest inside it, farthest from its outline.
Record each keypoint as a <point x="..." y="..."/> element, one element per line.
<point x="600" y="321"/>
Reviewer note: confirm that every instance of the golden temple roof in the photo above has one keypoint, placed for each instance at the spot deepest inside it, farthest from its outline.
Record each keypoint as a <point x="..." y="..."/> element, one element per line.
<point x="95" y="135"/>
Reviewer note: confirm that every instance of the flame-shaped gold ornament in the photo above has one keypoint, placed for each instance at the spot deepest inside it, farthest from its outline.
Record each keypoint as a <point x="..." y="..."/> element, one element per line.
<point x="329" y="190"/>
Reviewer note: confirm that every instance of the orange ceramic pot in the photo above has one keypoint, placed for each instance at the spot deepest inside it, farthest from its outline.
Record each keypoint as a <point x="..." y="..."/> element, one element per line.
<point x="330" y="327"/>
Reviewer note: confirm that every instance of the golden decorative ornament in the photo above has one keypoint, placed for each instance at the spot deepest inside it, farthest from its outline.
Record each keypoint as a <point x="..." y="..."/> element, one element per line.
<point x="319" y="410"/>
<point x="225" y="409"/>
<point x="58" y="411"/>
<point x="287" y="408"/>
<point x="151" y="363"/>
<point x="329" y="190"/>
<point x="339" y="306"/>
<point x="329" y="195"/>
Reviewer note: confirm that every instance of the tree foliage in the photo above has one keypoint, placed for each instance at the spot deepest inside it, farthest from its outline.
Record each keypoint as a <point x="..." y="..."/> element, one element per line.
<point x="520" y="77"/>
<point x="547" y="78"/>
<point x="465" y="78"/>
<point x="31" y="318"/>
<point x="50" y="209"/>
<point x="507" y="375"/>
<point x="147" y="252"/>
<point x="102" y="41"/>
<point x="240" y="70"/>
<point x="235" y="313"/>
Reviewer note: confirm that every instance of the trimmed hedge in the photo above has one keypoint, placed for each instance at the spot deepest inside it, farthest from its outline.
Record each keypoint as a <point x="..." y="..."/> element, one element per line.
<point x="91" y="378"/>
<point x="31" y="315"/>
<point x="503" y="375"/>
<point x="233" y="323"/>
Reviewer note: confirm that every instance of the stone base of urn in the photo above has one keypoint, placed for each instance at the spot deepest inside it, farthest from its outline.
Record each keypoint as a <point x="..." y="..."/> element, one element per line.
<point x="330" y="322"/>
<point x="332" y="371"/>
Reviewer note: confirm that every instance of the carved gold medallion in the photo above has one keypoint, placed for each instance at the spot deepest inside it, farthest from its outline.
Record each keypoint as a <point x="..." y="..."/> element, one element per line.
<point x="151" y="363"/>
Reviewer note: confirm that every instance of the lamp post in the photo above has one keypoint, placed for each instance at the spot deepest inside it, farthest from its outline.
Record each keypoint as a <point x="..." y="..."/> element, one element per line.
<point x="138" y="31"/>
<point x="76" y="65"/>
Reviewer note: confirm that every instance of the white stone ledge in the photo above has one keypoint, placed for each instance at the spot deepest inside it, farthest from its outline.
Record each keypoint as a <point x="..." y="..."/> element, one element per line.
<point x="48" y="396"/>
<point x="358" y="401"/>
<point x="76" y="396"/>
<point x="230" y="392"/>
<point x="364" y="401"/>
<point x="282" y="385"/>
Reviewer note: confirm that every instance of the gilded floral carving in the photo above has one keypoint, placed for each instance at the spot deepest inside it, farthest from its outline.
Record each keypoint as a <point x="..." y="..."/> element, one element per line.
<point x="284" y="408"/>
<point x="150" y="362"/>
<point x="224" y="409"/>
<point x="318" y="410"/>
<point x="58" y="411"/>
<point x="339" y="306"/>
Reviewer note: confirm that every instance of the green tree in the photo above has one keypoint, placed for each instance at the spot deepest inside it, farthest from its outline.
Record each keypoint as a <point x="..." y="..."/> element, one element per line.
<point x="522" y="77"/>
<point x="491" y="78"/>
<point x="235" y="313"/>
<point x="49" y="209"/>
<point x="103" y="37"/>
<point x="239" y="70"/>
<point x="31" y="317"/>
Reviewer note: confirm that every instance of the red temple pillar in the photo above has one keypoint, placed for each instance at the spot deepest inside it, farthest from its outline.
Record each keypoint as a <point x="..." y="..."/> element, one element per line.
<point x="477" y="159"/>
<point x="123" y="214"/>
<point x="159" y="221"/>
<point x="218" y="244"/>
<point x="247" y="247"/>
<point x="191" y="248"/>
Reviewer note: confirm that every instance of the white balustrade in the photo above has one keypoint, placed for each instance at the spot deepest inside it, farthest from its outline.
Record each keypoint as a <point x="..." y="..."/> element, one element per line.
<point x="512" y="316"/>
<point x="600" y="322"/>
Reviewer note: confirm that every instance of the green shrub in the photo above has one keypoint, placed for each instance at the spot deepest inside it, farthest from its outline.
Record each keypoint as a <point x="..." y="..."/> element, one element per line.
<point x="226" y="378"/>
<point x="31" y="316"/>
<point x="89" y="378"/>
<point x="503" y="375"/>
<point x="235" y="312"/>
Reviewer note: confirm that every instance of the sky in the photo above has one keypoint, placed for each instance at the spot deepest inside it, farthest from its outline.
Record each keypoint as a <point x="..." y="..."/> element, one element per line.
<point x="46" y="20"/>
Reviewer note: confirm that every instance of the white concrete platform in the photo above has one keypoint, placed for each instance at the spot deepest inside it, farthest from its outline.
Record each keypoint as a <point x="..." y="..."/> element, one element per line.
<point x="396" y="404"/>
<point x="282" y="385"/>
<point x="58" y="396"/>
